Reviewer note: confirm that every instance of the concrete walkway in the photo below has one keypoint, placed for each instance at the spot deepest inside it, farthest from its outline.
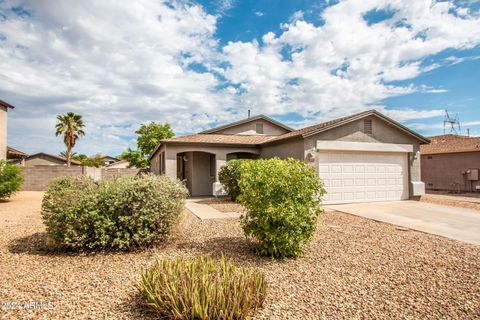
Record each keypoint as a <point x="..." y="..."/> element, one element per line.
<point x="204" y="211"/>
<point x="454" y="223"/>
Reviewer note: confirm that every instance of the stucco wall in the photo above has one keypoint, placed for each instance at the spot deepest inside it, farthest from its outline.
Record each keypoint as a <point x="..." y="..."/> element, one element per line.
<point x="440" y="171"/>
<point x="381" y="132"/>
<point x="250" y="128"/>
<point x="3" y="133"/>
<point x="288" y="148"/>
<point x="171" y="152"/>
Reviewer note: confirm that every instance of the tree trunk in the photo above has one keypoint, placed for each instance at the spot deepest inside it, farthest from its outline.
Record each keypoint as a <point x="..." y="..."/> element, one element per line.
<point x="69" y="156"/>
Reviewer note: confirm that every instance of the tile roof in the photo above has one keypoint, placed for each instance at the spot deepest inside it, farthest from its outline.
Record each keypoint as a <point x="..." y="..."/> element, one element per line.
<point x="451" y="143"/>
<point x="255" y="140"/>
<point x="306" y="130"/>
<point x="220" y="139"/>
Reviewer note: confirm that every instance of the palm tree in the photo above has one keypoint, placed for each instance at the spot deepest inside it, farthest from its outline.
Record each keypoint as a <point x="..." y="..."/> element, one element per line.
<point x="71" y="126"/>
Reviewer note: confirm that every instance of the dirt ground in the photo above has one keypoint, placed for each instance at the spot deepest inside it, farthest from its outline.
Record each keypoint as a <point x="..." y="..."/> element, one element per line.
<point x="353" y="269"/>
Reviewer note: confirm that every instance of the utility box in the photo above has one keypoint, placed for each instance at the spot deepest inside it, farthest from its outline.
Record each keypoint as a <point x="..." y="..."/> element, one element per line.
<point x="471" y="174"/>
<point x="218" y="189"/>
<point x="418" y="188"/>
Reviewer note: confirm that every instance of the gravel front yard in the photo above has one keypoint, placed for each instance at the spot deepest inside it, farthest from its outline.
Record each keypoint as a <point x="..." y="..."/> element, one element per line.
<point x="468" y="201"/>
<point x="355" y="268"/>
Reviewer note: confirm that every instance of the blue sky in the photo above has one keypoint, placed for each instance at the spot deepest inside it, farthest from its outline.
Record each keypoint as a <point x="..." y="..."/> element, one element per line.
<point x="198" y="64"/>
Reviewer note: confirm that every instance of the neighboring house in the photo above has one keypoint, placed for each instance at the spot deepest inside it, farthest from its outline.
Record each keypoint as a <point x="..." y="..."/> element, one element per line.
<point x="45" y="159"/>
<point x="107" y="160"/>
<point x="121" y="164"/>
<point x="362" y="157"/>
<point x="451" y="162"/>
<point x="4" y="106"/>
<point x="16" y="156"/>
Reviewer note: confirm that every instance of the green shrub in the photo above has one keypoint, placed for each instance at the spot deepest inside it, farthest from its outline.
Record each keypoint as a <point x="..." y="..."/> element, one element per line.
<point x="114" y="214"/>
<point x="202" y="288"/>
<point x="283" y="200"/>
<point x="229" y="176"/>
<point x="10" y="179"/>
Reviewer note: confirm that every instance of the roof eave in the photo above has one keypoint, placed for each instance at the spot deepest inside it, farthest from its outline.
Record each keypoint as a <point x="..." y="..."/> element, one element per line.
<point x="6" y="104"/>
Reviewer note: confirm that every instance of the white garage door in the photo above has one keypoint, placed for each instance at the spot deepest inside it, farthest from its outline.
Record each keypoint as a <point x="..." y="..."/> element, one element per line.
<point x="363" y="176"/>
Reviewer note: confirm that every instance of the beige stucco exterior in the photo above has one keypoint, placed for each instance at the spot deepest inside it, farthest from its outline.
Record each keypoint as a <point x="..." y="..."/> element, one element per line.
<point x="3" y="132"/>
<point x="269" y="128"/>
<point x="197" y="165"/>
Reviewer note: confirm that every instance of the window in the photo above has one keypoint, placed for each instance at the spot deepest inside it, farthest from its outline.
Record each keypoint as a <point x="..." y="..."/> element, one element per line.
<point x="162" y="168"/>
<point x="367" y="126"/>
<point x="213" y="166"/>
<point x="160" y="164"/>
<point x="259" y="128"/>
<point x="429" y="157"/>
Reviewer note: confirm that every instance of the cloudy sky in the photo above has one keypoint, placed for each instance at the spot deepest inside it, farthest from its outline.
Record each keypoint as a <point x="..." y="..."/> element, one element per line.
<point x="197" y="64"/>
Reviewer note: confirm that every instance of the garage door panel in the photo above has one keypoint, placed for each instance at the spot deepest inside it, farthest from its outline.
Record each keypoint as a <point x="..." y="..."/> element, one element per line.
<point x="363" y="176"/>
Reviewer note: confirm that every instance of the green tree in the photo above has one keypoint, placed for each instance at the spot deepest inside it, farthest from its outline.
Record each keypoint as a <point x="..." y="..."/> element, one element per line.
<point x="71" y="126"/>
<point x="95" y="161"/>
<point x="10" y="179"/>
<point x="134" y="158"/>
<point x="149" y="134"/>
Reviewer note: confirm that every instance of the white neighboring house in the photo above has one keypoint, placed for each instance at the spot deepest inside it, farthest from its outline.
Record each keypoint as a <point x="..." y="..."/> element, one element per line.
<point x="4" y="106"/>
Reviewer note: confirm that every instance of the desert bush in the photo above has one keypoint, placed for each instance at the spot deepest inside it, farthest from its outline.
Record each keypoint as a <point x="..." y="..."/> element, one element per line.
<point x="202" y="288"/>
<point x="283" y="200"/>
<point x="10" y="179"/>
<point x="122" y="213"/>
<point x="229" y="176"/>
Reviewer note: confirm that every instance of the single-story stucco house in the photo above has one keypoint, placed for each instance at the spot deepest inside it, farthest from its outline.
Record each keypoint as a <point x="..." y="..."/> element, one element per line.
<point x="45" y="159"/>
<point x="4" y="106"/>
<point x="360" y="158"/>
<point x="451" y="162"/>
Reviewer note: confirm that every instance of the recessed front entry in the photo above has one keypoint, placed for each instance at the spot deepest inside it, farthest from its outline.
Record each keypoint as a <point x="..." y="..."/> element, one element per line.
<point x="363" y="176"/>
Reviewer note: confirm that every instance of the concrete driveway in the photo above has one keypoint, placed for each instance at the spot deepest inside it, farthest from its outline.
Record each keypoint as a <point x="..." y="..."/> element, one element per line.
<point x="454" y="223"/>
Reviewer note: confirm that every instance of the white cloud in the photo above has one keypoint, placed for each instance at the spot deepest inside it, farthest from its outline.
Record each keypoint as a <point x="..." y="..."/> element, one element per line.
<point x="259" y="13"/>
<point x="345" y="65"/>
<point x="116" y="65"/>
<point x="297" y="15"/>
<point x="120" y="65"/>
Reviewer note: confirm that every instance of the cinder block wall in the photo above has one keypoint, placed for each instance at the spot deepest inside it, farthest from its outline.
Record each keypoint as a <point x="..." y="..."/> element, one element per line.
<point x="37" y="178"/>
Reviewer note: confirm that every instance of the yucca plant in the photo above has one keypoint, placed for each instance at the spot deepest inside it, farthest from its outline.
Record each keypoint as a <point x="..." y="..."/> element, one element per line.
<point x="203" y="288"/>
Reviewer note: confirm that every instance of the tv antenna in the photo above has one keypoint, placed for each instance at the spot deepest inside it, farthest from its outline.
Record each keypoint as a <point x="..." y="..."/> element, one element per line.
<point x="452" y="122"/>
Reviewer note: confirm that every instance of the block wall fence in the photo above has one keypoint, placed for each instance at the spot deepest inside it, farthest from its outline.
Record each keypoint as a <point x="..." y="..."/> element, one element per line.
<point x="37" y="178"/>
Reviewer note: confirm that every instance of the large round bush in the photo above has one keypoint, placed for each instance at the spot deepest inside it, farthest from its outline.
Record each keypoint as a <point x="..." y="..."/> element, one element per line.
<point x="113" y="214"/>
<point x="10" y="179"/>
<point x="229" y="176"/>
<point x="282" y="198"/>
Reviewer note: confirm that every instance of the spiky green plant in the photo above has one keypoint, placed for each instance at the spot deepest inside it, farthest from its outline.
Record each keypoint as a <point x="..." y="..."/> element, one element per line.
<point x="203" y="288"/>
